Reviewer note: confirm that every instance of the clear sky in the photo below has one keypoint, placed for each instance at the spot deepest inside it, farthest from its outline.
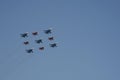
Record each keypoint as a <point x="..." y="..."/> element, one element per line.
<point x="87" y="32"/>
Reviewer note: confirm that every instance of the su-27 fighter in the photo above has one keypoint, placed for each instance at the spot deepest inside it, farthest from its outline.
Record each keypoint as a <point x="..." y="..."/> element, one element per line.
<point x="29" y="50"/>
<point x="48" y="31"/>
<point x="53" y="45"/>
<point x="39" y="41"/>
<point x="24" y="35"/>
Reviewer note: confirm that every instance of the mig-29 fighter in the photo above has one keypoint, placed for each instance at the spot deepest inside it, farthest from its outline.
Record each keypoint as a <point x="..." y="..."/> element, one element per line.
<point x="41" y="48"/>
<point x="34" y="33"/>
<point x="50" y="38"/>
<point x="26" y="42"/>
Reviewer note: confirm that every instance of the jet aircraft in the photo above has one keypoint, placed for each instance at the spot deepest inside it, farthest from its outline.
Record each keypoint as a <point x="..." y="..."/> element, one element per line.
<point x="34" y="33"/>
<point x="24" y="35"/>
<point x="26" y="42"/>
<point x="48" y="31"/>
<point x="53" y="45"/>
<point x="50" y="38"/>
<point x="39" y="41"/>
<point x="29" y="50"/>
<point x="41" y="48"/>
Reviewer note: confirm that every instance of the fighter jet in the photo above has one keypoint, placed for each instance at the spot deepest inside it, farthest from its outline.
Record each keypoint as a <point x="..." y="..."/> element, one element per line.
<point x="50" y="38"/>
<point x="39" y="41"/>
<point x="53" y="45"/>
<point x="26" y="42"/>
<point x="24" y="35"/>
<point x="29" y="50"/>
<point x="34" y="33"/>
<point x="41" y="48"/>
<point x="48" y="31"/>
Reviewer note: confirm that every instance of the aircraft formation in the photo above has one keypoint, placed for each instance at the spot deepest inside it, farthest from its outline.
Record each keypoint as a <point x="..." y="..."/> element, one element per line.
<point x="39" y="41"/>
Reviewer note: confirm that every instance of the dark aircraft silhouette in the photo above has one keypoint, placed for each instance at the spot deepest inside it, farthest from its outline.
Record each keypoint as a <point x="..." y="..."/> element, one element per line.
<point x="53" y="45"/>
<point x="41" y="48"/>
<point x="24" y="35"/>
<point x="50" y="38"/>
<point x="34" y="33"/>
<point x="26" y="42"/>
<point x="29" y="50"/>
<point x="48" y="31"/>
<point x="39" y="41"/>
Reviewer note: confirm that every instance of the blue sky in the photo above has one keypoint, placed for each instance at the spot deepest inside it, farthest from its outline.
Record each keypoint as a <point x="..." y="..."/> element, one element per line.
<point x="87" y="32"/>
